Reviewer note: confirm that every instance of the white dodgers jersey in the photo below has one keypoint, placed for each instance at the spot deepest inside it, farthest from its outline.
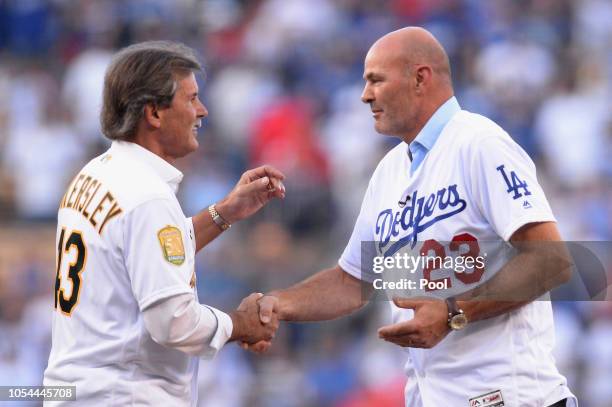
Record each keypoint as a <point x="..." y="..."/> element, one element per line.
<point x="123" y="243"/>
<point x="475" y="184"/>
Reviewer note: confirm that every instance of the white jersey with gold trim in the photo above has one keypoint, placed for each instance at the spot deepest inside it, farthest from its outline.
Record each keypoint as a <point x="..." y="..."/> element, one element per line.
<point x="123" y="244"/>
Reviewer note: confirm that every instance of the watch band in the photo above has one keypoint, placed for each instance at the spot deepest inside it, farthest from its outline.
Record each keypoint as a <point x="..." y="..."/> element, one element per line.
<point x="453" y="308"/>
<point x="219" y="221"/>
<point x="456" y="317"/>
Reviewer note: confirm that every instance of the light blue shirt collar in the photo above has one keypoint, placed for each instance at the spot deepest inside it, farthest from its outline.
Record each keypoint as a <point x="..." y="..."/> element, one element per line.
<point x="427" y="137"/>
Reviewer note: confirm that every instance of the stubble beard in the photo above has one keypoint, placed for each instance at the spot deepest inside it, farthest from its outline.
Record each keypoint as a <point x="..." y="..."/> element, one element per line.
<point x="391" y="129"/>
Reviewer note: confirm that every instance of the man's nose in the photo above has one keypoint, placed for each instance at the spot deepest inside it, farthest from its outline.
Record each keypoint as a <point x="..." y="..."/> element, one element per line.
<point x="202" y="111"/>
<point x="366" y="95"/>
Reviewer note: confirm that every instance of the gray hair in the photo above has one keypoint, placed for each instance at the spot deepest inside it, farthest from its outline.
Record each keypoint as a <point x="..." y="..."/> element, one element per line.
<point x="141" y="74"/>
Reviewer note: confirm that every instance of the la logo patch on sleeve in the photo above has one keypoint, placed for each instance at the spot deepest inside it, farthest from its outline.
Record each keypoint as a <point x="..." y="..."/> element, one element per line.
<point x="171" y="242"/>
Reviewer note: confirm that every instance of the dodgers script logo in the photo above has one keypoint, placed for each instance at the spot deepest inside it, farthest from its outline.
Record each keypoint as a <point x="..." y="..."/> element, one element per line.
<point x="420" y="214"/>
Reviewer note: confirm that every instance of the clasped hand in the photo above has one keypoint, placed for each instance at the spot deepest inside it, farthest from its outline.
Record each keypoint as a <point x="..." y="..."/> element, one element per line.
<point x="266" y="309"/>
<point x="248" y="327"/>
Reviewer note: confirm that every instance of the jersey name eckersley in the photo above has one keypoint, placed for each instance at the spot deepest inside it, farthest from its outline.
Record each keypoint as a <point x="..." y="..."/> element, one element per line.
<point x="90" y="198"/>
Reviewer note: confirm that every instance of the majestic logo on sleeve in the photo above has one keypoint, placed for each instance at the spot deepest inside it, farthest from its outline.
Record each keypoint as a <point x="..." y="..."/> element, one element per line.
<point x="420" y="214"/>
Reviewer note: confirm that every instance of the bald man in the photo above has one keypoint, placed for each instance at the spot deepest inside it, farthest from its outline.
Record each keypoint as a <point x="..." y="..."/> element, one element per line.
<point x="456" y="181"/>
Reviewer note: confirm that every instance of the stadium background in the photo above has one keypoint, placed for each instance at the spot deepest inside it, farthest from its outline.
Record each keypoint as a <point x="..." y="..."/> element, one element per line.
<point x="283" y="79"/>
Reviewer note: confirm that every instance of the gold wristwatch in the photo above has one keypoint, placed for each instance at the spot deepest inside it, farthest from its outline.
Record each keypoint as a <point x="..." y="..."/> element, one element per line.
<point x="456" y="317"/>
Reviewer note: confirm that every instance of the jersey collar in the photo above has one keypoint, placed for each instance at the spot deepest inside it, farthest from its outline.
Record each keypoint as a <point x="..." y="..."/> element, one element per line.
<point x="170" y="174"/>
<point x="427" y="137"/>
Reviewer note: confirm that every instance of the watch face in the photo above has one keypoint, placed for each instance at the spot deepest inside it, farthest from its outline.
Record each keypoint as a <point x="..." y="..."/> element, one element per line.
<point x="458" y="321"/>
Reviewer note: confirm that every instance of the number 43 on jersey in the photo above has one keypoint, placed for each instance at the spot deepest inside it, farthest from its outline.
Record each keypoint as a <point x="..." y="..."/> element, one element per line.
<point x="73" y="244"/>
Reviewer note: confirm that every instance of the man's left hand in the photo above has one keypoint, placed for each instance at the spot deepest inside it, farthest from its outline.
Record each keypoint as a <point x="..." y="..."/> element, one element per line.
<point x="253" y="191"/>
<point x="428" y="327"/>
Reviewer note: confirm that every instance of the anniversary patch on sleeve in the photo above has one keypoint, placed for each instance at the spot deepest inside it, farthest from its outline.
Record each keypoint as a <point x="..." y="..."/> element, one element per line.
<point x="171" y="242"/>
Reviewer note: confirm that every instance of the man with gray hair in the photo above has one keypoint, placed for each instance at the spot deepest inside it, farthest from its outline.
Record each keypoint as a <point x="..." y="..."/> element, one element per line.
<point x="128" y="328"/>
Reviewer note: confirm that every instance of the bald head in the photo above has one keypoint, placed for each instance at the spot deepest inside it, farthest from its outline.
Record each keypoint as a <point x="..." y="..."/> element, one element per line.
<point x="408" y="78"/>
<point x="415" y="46"/>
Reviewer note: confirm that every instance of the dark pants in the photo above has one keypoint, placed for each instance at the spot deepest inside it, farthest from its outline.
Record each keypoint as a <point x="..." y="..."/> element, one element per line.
<point x="560" y="403"/>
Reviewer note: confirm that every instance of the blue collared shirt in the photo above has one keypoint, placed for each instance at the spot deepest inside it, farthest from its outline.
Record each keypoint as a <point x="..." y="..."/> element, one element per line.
<point x="427" y="137"/>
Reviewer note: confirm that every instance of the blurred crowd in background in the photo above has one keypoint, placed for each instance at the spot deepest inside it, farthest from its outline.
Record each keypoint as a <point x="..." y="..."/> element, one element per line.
<point x="282" y="85"/>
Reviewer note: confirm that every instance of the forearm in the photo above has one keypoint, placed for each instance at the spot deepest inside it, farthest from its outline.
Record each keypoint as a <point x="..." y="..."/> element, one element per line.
<point x="182" y="323"/>
<point x="535" y="270"/>
<point x="329" y="294"/>
<point x="479" y="310"/>
<point x="204" y="228"/>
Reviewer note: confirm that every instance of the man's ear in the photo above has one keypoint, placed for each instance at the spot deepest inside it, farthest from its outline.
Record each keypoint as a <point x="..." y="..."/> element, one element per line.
<point x="423" y="77"/>
<point x="152" y="117"/>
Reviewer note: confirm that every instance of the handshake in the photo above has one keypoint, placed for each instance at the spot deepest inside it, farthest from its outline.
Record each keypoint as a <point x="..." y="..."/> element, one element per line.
<point x="255" y="322"/>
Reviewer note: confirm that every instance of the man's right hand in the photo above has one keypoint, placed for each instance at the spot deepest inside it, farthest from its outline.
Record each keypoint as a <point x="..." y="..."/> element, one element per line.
<point x="248" y="328"/>
<point x="268" y="313"/>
